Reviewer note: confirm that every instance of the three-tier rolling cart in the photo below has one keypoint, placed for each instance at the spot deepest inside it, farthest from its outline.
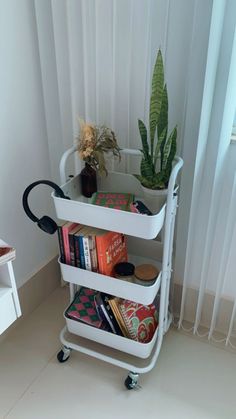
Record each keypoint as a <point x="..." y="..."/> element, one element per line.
<point x="143" y="246"/>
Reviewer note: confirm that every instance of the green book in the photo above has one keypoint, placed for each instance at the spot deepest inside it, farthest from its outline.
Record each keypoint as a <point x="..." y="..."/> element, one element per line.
<point x="116" y="200"/>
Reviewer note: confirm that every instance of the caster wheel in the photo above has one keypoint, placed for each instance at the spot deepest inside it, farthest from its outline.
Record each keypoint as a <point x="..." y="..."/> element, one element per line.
<point x="63" y="355"/>
<point x="131" y="381"/>
<point x="129" y="384"/>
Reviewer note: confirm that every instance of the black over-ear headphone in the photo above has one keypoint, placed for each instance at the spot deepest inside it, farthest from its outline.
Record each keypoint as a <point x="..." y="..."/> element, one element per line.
<point x="46" y="223"/>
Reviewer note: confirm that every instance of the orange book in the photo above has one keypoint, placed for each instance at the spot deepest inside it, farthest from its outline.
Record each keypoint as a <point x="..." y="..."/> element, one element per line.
<point x="111" y="249"/>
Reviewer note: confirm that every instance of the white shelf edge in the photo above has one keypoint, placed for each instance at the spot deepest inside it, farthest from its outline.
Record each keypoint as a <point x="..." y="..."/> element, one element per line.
<point x="110" y="285"/>
<point x="111" y="340"/>
<point x="77" y="210"/>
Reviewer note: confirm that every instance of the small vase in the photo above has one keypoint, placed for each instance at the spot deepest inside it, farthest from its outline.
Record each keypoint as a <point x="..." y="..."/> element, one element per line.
<point x="88" y="179"/>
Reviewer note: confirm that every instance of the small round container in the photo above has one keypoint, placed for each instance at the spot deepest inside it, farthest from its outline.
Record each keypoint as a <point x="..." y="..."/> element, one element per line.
<point x="125" y="271"/>
<point x="146" y="274"/>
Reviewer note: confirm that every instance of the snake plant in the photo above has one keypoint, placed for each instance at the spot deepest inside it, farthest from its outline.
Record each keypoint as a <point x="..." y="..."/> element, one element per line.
<point x="158" y="147"/>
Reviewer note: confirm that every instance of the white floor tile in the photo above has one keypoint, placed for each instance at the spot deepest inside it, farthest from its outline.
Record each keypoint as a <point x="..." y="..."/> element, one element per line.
<point x="190" y="380"/>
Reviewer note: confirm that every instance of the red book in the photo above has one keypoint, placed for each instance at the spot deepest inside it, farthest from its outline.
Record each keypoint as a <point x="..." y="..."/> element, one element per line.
<point x="141" y="321"/>
<point x="66" y="228"/>
<point x="111" y="249"/>
<point x="114" y="200"/>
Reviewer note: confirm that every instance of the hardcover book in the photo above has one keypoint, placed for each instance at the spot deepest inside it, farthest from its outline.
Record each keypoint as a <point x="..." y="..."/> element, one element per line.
<point x="72" y="243"/>
<point x="114" y="304"/>
<point x="79" y="248"/>
<point x="103" y="314"/>
<point x="93" y="249"/>
<point x="141" y="321"/>
<point x="88" y="265"/>
<point x="60" y="240"/>
<point x="87" y="258"/>
<point x="83" y="308"/>
<point x="114" y="200"/>
<point x="66" y="228"/>
<point x="106" y="313"/>
<point x="111" y="249"/>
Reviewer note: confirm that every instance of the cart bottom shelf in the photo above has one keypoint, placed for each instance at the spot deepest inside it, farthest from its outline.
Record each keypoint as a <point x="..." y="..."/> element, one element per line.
<point x="113" y="356"/>
<point x="141" y="350"/>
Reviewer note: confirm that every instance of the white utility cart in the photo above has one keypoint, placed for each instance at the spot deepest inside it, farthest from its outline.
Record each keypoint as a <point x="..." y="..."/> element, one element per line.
<point x="150" y="239"/>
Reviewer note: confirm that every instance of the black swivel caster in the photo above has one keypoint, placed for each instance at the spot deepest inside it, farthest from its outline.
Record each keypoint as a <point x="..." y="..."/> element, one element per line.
<point x="64" y="354"/>
<point x="131" y="381"/>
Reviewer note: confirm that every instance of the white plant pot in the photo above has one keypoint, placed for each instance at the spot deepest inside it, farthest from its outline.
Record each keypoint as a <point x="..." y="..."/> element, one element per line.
<point x="154" y="198"/>
<point x="154" y="192"/>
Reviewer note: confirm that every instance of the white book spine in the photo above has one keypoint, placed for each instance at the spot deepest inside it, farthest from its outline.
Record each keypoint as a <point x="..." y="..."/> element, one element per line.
<point x="87" y="258"/>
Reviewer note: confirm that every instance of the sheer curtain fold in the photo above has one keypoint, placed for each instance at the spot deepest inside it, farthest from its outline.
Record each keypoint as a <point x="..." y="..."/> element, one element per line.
<point x="103" y="52"/>
<point x="211" y="228"/>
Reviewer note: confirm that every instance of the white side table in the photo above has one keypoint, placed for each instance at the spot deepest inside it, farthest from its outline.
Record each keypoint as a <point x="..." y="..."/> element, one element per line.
<point x="9" y="301"/>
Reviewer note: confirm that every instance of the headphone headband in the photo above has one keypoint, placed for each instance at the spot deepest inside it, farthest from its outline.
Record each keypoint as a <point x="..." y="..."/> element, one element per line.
<point x="27" y="210"/>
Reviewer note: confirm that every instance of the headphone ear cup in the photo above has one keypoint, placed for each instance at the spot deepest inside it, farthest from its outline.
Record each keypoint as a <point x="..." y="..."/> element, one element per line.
<point x="47" y="224"/>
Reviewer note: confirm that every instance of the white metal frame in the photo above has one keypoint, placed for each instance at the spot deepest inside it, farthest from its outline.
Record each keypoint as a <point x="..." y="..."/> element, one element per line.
<point x="164" y="315"/>
<point x="9" y="301"/>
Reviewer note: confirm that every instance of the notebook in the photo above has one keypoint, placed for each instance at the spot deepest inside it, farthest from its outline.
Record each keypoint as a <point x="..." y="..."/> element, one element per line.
<point x="141" y="321"/>
<point x="114" y="200"/>
<point x="102" y="303"/>
<point x="114" y="304"/>
<point x="83" y="308"/>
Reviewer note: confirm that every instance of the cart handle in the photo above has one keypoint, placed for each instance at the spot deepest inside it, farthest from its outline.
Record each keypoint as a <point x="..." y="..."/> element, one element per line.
<point x="62" y="166"/>
<point x="125" y="151"/>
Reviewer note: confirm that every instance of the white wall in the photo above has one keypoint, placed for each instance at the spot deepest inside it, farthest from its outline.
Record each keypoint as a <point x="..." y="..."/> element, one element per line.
<point x="24" y="153"/>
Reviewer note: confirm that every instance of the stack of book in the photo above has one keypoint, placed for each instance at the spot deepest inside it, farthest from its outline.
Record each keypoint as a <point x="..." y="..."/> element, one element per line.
<point x="122" y="317"/>
<point x="91" y="248"/>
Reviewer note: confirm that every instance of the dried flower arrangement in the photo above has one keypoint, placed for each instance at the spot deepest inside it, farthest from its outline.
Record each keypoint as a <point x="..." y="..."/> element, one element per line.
<point x="93" y="142"/>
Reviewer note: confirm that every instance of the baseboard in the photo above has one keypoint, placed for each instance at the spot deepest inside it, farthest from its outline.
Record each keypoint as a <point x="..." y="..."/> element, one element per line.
<point x="224" y="315"/>
<point x="40" y="285"/>
<point x="36" y="290"/>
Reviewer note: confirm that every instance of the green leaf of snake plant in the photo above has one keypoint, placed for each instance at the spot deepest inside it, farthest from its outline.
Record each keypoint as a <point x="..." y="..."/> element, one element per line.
<point x="146" y="168"/>
<point x="161" y="140"/>
<point x="156" y="97"/>
<point x="167" y="147"/>
<point x="171" y="156"/>
<point x="163" y="122"/>
<point x="143" y="134"/>
<point x="148" y="183"/>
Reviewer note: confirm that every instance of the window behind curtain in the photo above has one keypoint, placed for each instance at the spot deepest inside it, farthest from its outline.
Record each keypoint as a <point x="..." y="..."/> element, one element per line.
<point x="234" y="125"/>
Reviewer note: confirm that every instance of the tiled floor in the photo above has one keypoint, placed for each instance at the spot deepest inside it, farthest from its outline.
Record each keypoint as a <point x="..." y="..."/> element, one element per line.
<point x="190" y="380"/>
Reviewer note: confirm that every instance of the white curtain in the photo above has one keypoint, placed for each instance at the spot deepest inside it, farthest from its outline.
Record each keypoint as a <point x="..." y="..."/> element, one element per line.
<point x="97" y="57"/>
<point x="96" y="61"/>
<point x="211" y="241"/>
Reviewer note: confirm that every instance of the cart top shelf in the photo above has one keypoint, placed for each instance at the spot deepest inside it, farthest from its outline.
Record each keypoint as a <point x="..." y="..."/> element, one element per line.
<point x="79" y="209"/>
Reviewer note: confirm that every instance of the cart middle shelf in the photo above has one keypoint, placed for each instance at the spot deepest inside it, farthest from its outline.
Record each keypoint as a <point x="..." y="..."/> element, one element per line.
<point x="113" y="286"/>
